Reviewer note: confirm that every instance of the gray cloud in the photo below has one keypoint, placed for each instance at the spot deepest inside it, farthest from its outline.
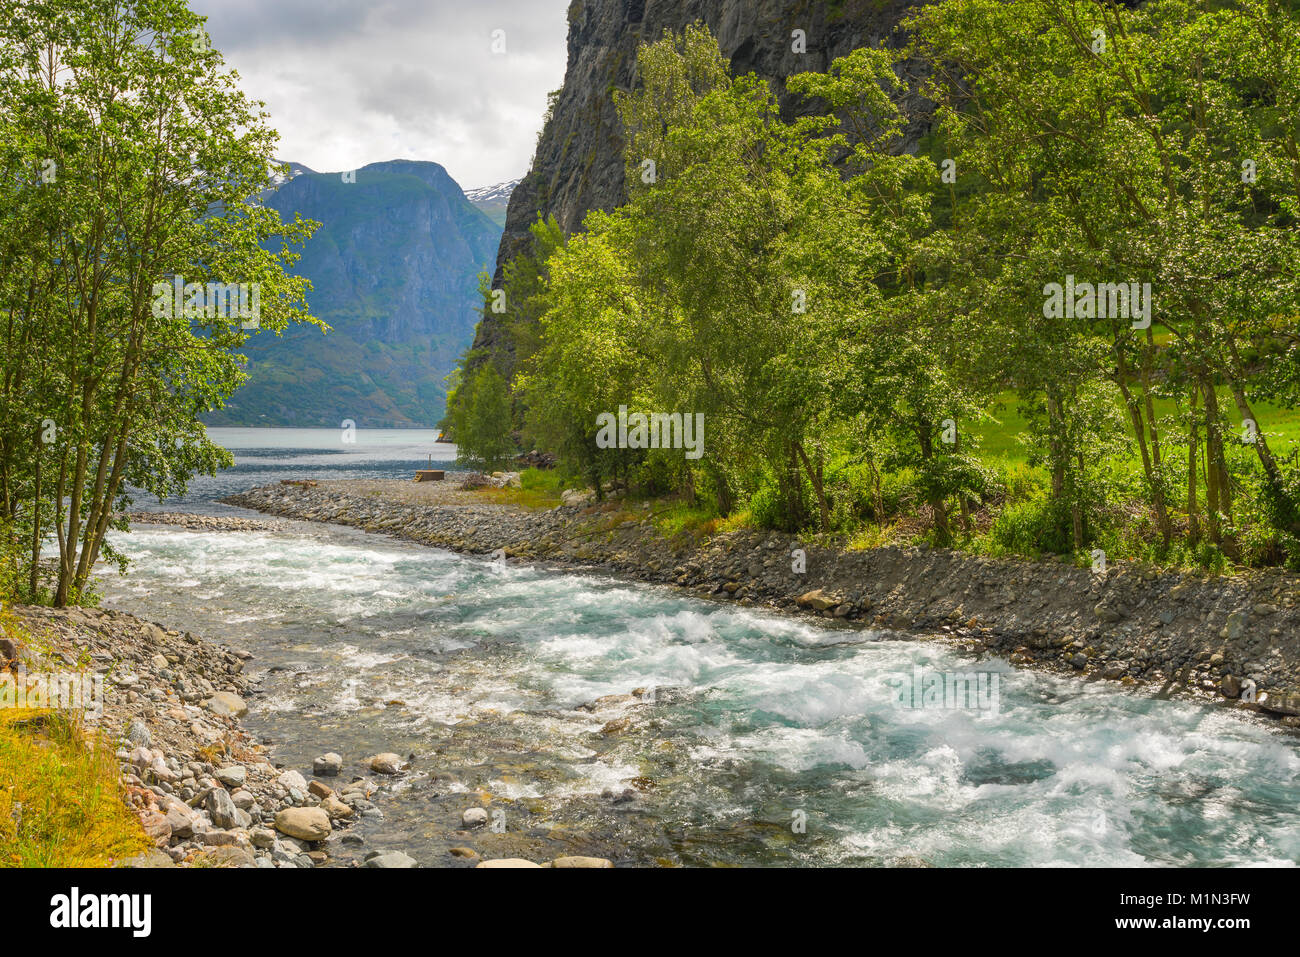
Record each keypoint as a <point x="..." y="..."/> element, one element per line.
<point x="351" y="82"/>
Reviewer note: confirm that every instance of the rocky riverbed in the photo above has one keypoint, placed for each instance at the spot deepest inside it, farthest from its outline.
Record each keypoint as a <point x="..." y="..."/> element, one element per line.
<point x="207" y="793"/>
<point x="1235" y="639"/>
<point x="203" y="523"/>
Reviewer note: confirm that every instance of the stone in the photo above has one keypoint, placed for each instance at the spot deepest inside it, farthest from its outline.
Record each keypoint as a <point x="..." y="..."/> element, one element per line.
<point x="817" y="600"/>
<point x="466" y="852"/>
<point x="1108" y="613"/>
<point x="181" y="819"/>
<point x="617" y="726"/>
<point x="1287" y="702"/>
<point x="304" y="823"/>
<point x="335" y="808"/>
<point x="582" y="862"/>
<point x="138" y="734"/>
<point x="474" y="817"/>
<point x="393" y="859"/>
<point x="223" y="810"/>
<point x="386" y="763"/>
<point x="159" y="662"/>
<point x="327" y="765"/>
<point x="156" y="826"/>
<point x="229" y="857"/>
<point x="506" y="862"/>
<point x="316" y="789"/>
<point x="1230" y="686"/>
<point x="292" y="781"/>
<point x="162" y="774"/>
<point x="150" y="858"/>
<point x="226" y="703"/>
<point x="1236" y="626"/>
<point x="233" y="776"/>
<point x="140" y="759"/>
<point x="573" y="496"/>
<point x="217" y="838"/>
<point x="262" y="837"/>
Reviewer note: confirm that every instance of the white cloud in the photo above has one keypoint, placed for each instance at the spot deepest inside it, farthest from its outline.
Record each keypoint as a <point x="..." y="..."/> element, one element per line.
<point x="351" y="82"/>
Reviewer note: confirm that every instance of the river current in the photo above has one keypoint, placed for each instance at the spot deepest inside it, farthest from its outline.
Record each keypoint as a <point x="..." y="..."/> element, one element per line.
<point x="752" y="738"/>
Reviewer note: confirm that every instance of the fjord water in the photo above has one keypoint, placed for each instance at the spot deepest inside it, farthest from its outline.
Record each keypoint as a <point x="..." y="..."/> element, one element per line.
<point x="265" y="456"/>
<point x="759" y="721"/>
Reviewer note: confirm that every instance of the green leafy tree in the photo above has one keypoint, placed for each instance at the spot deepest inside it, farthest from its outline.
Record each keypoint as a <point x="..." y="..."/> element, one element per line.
<point x="130" y="159"/>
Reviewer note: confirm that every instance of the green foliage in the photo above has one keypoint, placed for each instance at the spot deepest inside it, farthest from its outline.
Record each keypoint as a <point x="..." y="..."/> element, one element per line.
<point x="926" y="381"/>
<point x="1031" y="526"/>
<point x="482" y="423"/>
<point x="129" y="157"/>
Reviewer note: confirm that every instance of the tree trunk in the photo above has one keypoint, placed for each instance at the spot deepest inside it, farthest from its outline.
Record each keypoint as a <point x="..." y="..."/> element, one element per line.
<point x="1193" y="439"/>
<point x="815" y="476"/>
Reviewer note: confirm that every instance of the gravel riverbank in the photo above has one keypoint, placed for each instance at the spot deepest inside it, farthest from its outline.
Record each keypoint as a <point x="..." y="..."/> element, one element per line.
<point x="1231" y="639"/>
<point x="207" y="793"/>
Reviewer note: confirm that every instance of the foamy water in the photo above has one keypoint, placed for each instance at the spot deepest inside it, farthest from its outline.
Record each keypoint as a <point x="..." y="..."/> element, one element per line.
<point x="758" y="721"/>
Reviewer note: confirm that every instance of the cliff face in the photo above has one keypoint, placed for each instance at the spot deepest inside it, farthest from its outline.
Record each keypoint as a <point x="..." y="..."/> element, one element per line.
<point x="579" y="162"/>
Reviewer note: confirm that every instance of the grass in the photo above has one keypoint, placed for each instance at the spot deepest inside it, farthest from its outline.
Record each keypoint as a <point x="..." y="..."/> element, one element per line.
<point x="680" y="517"/>
<point x="61" y="801"/>
<point x="61" y="797"/>
<point x="999" y="437"/>
<point x="538" y="489"/>
<point x="520" y="497"/>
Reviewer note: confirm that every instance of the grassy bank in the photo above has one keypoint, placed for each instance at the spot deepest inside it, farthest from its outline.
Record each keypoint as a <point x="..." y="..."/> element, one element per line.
<point x="61" y="796"/>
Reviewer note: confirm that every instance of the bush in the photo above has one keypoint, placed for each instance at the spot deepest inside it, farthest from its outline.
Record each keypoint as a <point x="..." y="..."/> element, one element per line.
<point x="1032" y="526"/>
<point x="765" y="506"/>
<point x="541" y="480"/>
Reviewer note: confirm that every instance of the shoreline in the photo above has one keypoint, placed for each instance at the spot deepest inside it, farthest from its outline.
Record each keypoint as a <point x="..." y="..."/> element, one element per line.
<point x="206" y="792"/>
<point x="1163" y="633"/>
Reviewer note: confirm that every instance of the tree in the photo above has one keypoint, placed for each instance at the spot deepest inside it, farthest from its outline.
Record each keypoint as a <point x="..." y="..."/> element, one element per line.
<point x="481" y="423"/>
<point x="132" y="167"/>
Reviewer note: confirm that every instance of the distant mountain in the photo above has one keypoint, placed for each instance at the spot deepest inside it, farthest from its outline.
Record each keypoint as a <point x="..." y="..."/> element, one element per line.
<point x="295" y="169"/>
<point x="493" y="200"/>
<point x="395" y="270"/>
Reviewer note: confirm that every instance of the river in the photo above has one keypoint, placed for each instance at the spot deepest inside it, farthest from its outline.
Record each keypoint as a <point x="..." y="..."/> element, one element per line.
<point x="758" y="738"/>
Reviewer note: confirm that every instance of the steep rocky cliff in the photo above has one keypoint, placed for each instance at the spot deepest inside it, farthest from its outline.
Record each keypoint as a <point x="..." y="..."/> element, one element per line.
<point x="579" y="165"/>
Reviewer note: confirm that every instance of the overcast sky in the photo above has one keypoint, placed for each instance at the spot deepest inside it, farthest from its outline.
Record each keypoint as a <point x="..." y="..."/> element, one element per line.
<point x="351" y="82"/>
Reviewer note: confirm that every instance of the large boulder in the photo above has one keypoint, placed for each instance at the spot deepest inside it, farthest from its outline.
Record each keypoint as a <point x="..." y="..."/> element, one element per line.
<point x="226" y="703"/>
<point x="386" y="763"/>
<point x="222" y="808"/>
<point x="304" y="823"/>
